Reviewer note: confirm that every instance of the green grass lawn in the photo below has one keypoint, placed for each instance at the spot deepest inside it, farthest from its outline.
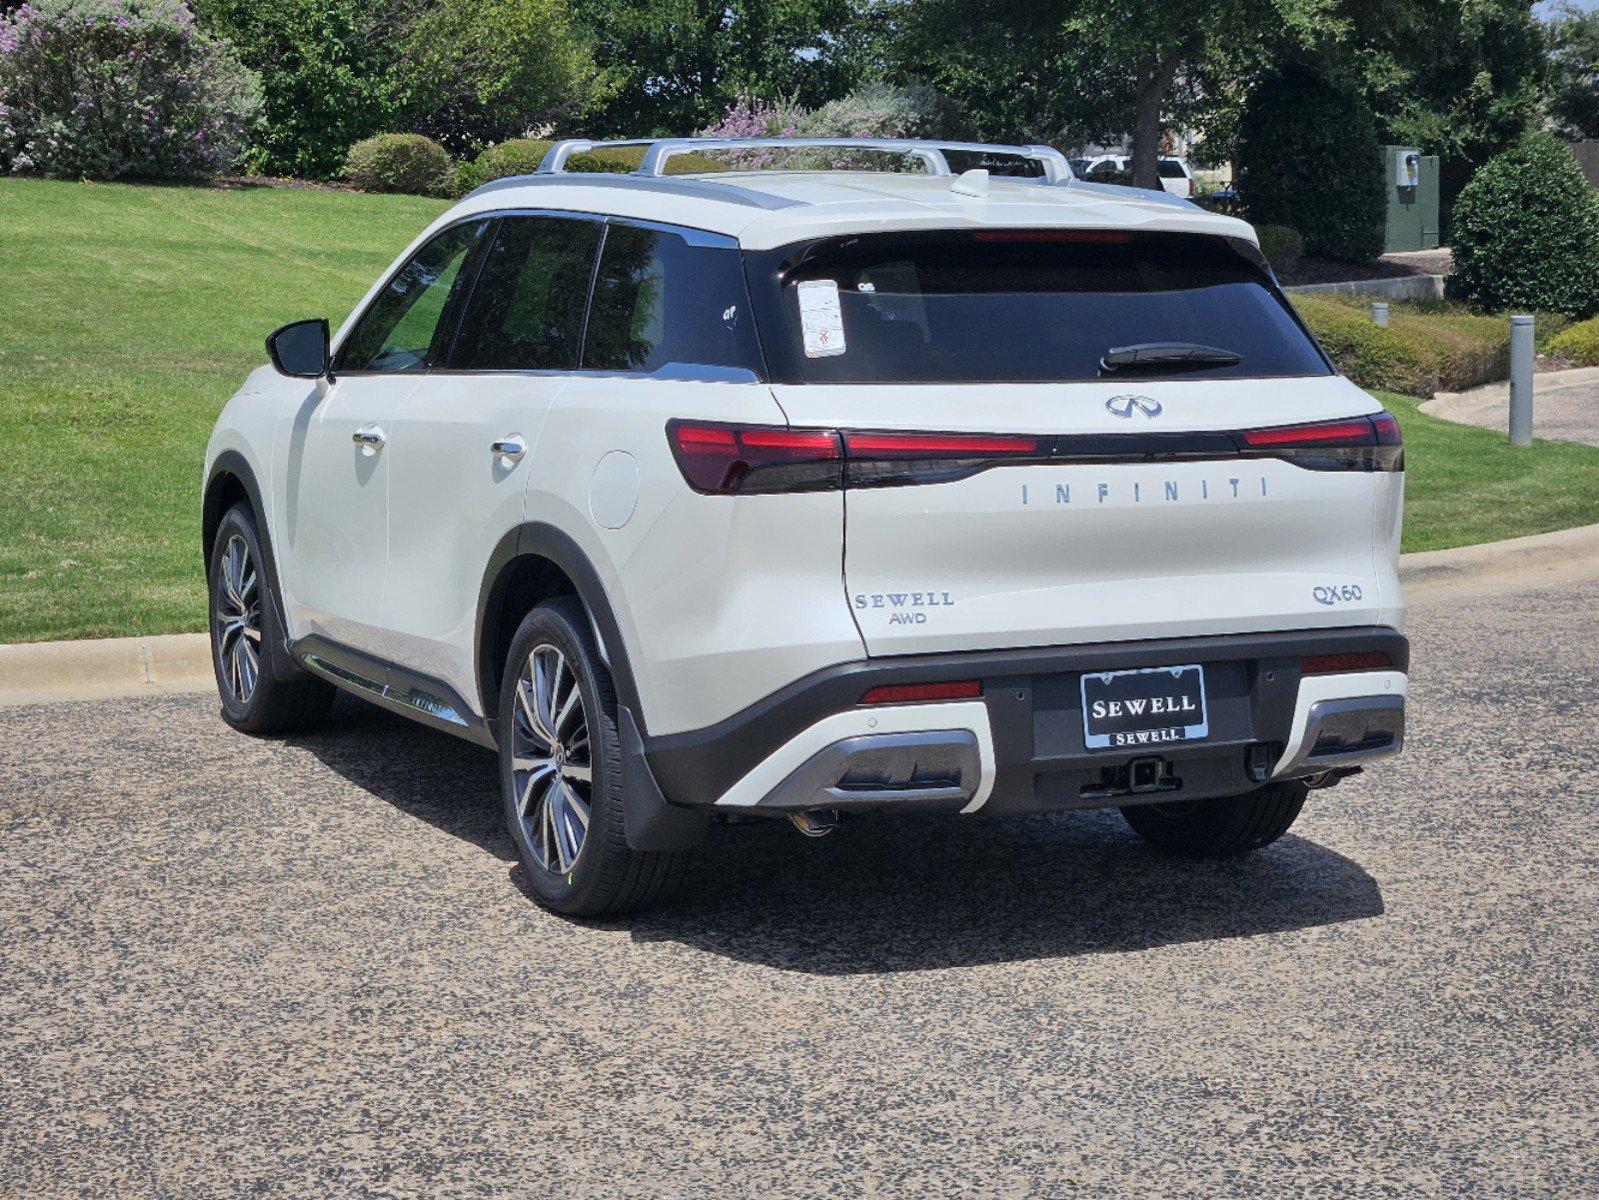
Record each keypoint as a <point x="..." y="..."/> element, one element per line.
<point x="1465" y="485"/>
<point x="130" y="314"/>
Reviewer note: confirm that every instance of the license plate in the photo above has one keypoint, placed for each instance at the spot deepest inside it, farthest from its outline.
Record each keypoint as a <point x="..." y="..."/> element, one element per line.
<point x="1124" y="710"/>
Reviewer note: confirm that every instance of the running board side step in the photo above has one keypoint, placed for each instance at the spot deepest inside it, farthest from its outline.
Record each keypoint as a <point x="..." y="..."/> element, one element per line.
<point x="426" y="700"/>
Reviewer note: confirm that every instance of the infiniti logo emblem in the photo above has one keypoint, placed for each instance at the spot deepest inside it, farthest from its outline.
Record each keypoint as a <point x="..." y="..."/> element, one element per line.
<point x="1123" y="406"/>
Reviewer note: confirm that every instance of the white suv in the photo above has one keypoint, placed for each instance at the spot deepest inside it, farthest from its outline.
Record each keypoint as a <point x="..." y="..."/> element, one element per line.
<point x="802" y="493"/>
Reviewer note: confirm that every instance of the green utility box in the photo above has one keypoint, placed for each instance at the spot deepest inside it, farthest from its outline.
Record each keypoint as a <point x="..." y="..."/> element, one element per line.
<point x="1412" y="177"/>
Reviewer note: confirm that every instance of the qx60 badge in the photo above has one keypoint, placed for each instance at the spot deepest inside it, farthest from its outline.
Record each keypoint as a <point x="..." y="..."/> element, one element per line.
<point x="1125" y="406"/>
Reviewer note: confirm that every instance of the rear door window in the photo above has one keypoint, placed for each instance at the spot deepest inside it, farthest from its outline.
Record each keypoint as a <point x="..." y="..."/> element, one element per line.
<point x="525" y="312"/>
<point x="1018" y="306"/>
<point x="661" y="299"/>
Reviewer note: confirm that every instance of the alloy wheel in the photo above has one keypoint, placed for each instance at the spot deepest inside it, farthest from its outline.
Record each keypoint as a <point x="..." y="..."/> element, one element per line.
<point x="551" y="761"/>
<point x="237" y="613"/>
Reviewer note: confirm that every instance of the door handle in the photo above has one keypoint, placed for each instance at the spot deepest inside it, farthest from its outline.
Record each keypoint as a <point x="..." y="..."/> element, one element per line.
<point x="511" y="446"/>
<point x="369" y="437"/>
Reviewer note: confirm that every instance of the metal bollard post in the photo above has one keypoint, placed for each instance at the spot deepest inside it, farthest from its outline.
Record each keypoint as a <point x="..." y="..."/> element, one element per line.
<point x="1521" y="355"/>
<point x="1379" y="313"/>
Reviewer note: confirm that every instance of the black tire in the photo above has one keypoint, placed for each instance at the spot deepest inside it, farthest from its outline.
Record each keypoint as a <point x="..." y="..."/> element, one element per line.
<point x="606" y="876"/>
<point x="279" y="698"/>
<point x="1224" y="827"/>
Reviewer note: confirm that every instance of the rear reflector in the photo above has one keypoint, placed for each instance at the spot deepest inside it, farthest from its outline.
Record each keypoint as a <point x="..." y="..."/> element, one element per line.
<point x="915" y="693"/>
<point x="1352" y="660"/>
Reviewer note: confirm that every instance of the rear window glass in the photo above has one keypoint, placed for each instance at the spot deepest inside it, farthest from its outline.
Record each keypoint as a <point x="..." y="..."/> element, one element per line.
<point x="1167" y="169"/>
<point x="1019" y="306"/>
<point x="659" y="300"/>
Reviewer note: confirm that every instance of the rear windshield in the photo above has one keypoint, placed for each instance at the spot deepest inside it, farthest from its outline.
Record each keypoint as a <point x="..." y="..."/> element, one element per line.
<point x="1168" y="168"/>
<point x="1018" y="306"/>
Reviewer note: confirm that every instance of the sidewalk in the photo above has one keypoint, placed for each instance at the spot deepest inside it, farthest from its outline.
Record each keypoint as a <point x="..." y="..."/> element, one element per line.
<point x="1565" y="406"/>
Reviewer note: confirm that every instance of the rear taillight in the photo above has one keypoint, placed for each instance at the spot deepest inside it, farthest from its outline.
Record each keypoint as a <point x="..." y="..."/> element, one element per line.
<point x="724" y="459"/>
<point x="919" y="693"/>
<point x="743" y="459"/>
<point x="1355" y="444"/>
<point x="1349" y="660"/>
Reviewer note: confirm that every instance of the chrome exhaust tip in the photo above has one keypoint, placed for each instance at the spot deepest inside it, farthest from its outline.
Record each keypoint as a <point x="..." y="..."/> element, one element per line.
<point x="816" y="822"/>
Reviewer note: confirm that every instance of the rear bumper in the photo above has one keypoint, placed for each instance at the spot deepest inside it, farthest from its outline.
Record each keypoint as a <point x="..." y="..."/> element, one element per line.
<point x="1021" y="747"/>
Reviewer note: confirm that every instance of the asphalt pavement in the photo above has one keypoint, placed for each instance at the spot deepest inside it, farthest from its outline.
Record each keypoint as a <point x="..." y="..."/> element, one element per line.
<point x="232" y="967"/>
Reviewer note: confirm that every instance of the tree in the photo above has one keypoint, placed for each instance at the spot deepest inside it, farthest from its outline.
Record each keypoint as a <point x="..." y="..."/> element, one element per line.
<point x="1085" y="68"/>
<point x="325" y="76"/>
<point x="479" y="71"/>
<point x="1572" y="42"/>
<point x="1467" y="83"/>
<point x="676" y="65"/>
<point x="1308" y="159"/>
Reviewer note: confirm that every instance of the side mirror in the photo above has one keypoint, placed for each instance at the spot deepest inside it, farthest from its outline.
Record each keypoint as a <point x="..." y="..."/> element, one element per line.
<point x="300" y="349"/>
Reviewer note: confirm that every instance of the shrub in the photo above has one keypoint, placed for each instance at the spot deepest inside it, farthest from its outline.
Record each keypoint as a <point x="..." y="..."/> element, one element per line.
<point x="522" y="156"/>
<point x="1282" y="246"/>
<point x="1579" y="343"/>
<point x="325" y="77"/>
<point x="480" y="71"/>
<point x="1526" y="232"/>
<point x="874" y="110"/>
<point x="748" y="117"/>
<point x="107" y="89"/>
<point x="877" y="110"/>
<point x="1309" y="158"/>
<point x="397" y="162"/>
<point x="1425" y="349"/>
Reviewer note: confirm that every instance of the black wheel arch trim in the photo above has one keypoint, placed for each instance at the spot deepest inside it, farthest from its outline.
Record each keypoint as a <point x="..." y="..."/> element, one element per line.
<point x="232" y="463"/>
<point x="542" y="540"/>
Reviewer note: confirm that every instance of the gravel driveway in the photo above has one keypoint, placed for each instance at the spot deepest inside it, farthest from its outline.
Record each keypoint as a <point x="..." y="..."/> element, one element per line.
<point x="233" y="967"/>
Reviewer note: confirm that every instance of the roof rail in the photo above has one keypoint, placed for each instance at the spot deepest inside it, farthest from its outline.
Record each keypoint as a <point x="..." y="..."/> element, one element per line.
<point x="930" y="153"/>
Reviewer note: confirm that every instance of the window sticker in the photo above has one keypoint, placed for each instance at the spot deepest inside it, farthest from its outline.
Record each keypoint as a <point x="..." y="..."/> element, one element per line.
<point x="820" y="319"/>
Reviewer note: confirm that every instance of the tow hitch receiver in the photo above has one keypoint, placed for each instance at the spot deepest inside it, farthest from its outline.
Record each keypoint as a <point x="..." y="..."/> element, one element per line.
<point x="1145" y="774"/>
<point x="1139" y="777"/>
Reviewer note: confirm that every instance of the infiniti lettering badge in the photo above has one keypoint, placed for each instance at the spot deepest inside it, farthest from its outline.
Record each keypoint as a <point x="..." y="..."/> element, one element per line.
<point x="1123" y="406"/>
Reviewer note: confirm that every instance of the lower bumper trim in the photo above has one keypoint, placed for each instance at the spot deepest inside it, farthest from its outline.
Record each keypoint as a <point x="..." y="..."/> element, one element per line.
<point x="1347" y="732"/>
<point x="937" y="769"/>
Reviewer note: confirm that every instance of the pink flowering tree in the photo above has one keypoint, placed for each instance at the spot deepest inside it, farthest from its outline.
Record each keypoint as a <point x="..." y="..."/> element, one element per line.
<point x="107" y="89"/>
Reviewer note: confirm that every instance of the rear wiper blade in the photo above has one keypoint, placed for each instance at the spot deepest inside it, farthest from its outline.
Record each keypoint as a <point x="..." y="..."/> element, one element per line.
<point x="1167" y="354"/>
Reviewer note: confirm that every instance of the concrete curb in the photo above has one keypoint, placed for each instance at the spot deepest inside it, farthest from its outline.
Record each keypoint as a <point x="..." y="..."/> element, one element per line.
<point x="1528" y="559"/>
<point x="44" y="672"/>
<point x="95" y="668"/>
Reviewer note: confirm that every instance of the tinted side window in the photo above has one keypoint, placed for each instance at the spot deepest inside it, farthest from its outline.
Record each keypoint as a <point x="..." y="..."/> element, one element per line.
<point x="659" y="300"/>
<point x="526" y="312"/>
<point x="398" y="332"/>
